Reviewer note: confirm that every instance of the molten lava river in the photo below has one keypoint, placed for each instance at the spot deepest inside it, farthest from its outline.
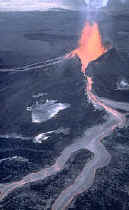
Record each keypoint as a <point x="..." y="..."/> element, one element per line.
<point x="90" y="47"/>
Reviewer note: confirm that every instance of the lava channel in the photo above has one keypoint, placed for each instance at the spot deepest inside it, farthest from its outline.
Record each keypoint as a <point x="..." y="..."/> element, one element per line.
<point x="89" y="49"/>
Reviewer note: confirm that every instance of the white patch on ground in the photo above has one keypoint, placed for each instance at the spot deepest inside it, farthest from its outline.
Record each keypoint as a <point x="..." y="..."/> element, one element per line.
<point x="46" y="111"/>
<point x="122" y="85"/>
<point x="45" y="136"/>
<point x="18" y="158"/>
<point x="14" y="136"/>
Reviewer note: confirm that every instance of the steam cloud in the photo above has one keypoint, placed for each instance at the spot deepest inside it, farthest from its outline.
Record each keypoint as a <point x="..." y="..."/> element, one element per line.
<point x="41" y="5"/>
<point x="30" y="5"/>
<point x="97" y="3"/>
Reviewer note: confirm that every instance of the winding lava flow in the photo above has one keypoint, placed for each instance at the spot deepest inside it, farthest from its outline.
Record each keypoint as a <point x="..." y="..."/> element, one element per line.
<point x="90" y="48"/>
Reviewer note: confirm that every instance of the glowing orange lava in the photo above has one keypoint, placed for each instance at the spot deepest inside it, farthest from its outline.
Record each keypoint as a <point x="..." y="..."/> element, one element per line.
<point x="90" y="45"/>
<point x="90" y="48"/>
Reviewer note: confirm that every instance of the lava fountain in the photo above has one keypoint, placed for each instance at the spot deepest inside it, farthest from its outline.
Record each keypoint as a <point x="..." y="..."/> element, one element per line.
<point x="89" y="49"/>
<point x="90" y="45"/>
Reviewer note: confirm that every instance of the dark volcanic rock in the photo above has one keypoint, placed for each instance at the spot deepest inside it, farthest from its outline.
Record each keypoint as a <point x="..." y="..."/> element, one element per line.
<point x="111" y="186"/>
<point x="40" y="195"/>
<point x="14" y="168"/>
<point x="63" y="82"/>
<point x="107" y="73"/>
<point x="44" y="28"/>
<point x="1" y="63"/>
<point x="55" y="81"/>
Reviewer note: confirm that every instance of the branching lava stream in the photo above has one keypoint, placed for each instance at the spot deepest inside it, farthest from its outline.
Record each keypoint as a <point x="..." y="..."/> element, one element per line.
<point x="90" y="48"/>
